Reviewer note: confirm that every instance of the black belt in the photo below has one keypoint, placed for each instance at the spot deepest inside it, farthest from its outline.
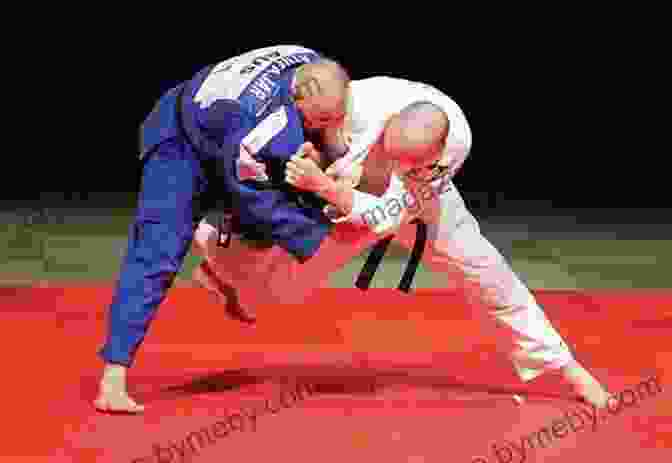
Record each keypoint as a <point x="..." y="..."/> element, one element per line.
<point x="378" y="252"/>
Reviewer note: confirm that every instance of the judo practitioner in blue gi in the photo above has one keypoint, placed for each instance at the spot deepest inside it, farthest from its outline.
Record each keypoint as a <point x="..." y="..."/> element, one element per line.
<point x="221" y="139"/>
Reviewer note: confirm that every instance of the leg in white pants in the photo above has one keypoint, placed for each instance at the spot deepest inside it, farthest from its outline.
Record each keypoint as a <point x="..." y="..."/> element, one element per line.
<point x="457" y="249"/>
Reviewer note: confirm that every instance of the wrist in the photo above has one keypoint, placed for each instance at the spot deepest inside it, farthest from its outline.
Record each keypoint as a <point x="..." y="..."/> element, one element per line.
<point x="337" y="194"/>
<point x="326" y="187"/>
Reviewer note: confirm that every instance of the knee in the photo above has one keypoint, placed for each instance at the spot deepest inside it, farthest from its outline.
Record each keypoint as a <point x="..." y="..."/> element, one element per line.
<point x="443" y="256"/>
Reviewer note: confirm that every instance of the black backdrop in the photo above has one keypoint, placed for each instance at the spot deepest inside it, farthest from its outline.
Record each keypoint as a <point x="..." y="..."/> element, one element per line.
<point x="555" y="109"/>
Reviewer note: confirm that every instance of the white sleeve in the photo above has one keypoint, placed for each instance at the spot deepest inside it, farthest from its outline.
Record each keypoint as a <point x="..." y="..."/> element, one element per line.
<point x="381" y="214"/>
<point x="458" y="143"/>
<point x="386" y="213"/>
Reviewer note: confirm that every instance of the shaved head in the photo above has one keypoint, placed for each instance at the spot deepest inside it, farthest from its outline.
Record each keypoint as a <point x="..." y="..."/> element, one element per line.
<point x="320" y="92"/>
<point x="417" y="134"/>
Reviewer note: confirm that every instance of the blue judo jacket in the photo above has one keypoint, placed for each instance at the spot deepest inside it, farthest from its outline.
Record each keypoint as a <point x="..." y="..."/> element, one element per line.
<point x="225" y="104"/>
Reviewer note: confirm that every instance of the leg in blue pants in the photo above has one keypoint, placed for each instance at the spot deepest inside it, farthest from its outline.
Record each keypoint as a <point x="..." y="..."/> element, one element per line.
<point x="169" y="207"/>
<point x="173" y="184"/>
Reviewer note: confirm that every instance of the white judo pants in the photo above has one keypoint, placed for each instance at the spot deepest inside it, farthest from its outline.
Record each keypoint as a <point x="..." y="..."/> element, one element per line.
<point x="455" y="249"/>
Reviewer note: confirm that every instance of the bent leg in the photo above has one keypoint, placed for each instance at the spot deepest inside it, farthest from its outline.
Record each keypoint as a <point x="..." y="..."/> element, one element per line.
<point x="273" y="275"/>
<point x="239" y="275"/>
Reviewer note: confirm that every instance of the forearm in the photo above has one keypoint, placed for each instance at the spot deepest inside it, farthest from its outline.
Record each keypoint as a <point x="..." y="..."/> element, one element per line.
<point x="380" y="214"/>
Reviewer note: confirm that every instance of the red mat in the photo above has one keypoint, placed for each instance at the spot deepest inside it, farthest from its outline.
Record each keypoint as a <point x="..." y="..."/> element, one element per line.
<point x="348" y="376"/>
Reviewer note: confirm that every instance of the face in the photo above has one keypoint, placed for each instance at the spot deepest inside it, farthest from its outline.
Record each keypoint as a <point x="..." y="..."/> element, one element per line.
<point x="321" y="112"/>
<point x="416" y="161"/>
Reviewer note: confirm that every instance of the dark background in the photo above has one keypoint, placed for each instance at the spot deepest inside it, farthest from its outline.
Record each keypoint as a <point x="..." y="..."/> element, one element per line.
<point x="557" y="106"/>
<point x="568" y="173"/>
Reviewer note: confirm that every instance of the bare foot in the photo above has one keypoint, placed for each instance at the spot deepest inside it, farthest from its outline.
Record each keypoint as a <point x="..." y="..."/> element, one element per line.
<point x="114" y="402"/>
<point x="112" y="396"/>
<point x="586" y="386"/>
<point x="223" y="293"/>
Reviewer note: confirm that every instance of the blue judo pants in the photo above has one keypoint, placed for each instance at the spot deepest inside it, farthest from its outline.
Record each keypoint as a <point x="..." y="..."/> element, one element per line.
<point x="178" y="187"/>
<point x="173" y="195"/>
